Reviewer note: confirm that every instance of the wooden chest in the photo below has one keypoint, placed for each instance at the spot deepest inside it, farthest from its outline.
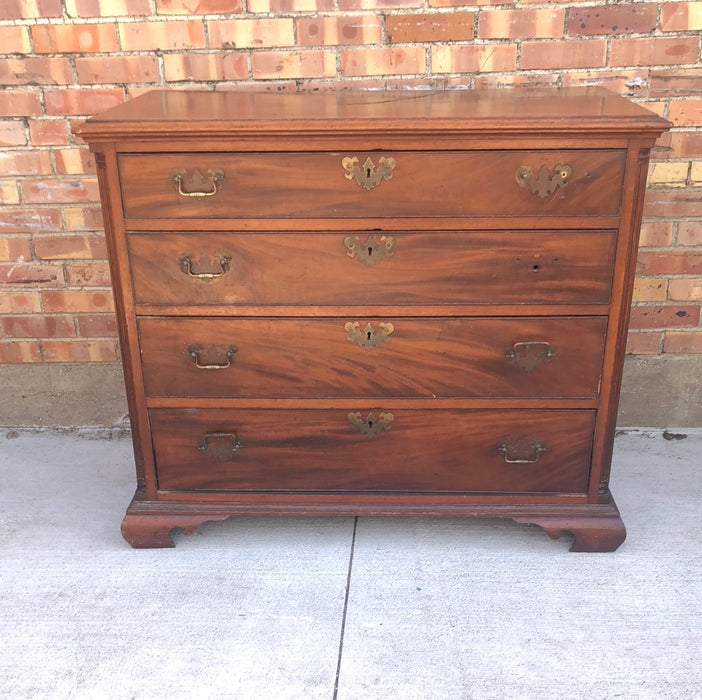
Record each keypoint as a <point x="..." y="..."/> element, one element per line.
<point x="377" y="303"/>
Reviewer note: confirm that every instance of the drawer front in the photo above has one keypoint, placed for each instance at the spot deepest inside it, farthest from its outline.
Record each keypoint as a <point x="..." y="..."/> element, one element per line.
<point x="399" y="269"/>
<point x="315" y="185"/>
<point x="381" y="357"/>
<point x="359" y="449"/>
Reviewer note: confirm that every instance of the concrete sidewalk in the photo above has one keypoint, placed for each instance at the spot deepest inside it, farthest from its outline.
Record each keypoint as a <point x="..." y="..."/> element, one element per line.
<point x="338" y="608"/>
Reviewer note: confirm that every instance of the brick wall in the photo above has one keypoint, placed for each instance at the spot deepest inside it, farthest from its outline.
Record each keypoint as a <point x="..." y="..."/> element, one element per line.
<point x="61" y="60"/>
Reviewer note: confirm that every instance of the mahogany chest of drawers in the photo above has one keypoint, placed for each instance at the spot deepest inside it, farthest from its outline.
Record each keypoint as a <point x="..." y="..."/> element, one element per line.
<point x="373" y="303"/>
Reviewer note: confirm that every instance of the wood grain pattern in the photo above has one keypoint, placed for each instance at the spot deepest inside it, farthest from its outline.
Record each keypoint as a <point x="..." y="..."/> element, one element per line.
<point x="544" y="267"/>
<point x="313" y="185"/>
<point x="310" y="450"/>
<point x="431" y="358"/>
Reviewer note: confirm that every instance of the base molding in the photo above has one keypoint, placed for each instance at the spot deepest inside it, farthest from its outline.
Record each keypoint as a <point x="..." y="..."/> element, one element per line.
<point x="596" y="527"/>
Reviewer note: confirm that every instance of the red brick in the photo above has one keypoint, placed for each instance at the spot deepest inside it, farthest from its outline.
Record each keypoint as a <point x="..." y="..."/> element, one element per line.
<point x="15" y="39"/>
<point x="251" y="33"/>
<point x="669" y="262"/>
<point x="193" y="66"/>
<point x="20" y="103"/>
<point x="407" y="29"/>
<point x="117" y="69"/>
<point x="656" y="234"/>
<point x="29" y="220"/>
<point x="267" y="65"/>
<point x="55" y="190"/>
<point x="70" y="247"/>
<point x="89" y="275"/>
<point x="287" y="6"/>
<point x="473" y="58"/>
<point x="382" y="61"/>
<point x="74" y="38"/>
<point x="236" y="65"/>
<point x="162" y="36"/>
<point x="684" y="144"/>
<point x="86" y="101"/>
<point x="48" y="132"/>
<point x="653" y="51"/>
<point x="79" y="351"/>
<point x="85" y="219"/>
<point x="675" y="83"/>
<point x="197" y="7"/>
<point x="97" y="325"/>
<point x="16" y="274"/>
<point x="25" y="302"/>
<point x="12" y="133"/>
<point x="685" y="112"/>
<point x="683" y="343"/>
<point x="30" y="9"/>
<point x="77" y="301"/>
<point x="646" y="343"/>
<point x="331" y="31"/>
<point x="9" y="193"/>
<point x="35" y="71"/>
<point x="643" y="317"/>
<point x="15" y="352"/>
<point x="639" y="18"/>
<point x="74" y="161"/>
<point x="685" y="289"/>
<point x="25" y="163"/>
<point x="681" y="16"/>
<point x="673" y="204"/>
<point x="113" y="8"/>
<point x="587" y="53"/>
<point x="378" y="4"/>
<point x="14" y="249"/>
<point x="513" y="24"/>
<point x="37" y="326"/>
<point x="690" y="233"/>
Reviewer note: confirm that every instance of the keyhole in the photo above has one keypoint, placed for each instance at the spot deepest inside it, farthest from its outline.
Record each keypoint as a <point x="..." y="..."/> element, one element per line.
<point x="368" y="173"/>
<point x="368" y="334"/>
<point x="370" y="424"/>
<point x="370" y="251"/>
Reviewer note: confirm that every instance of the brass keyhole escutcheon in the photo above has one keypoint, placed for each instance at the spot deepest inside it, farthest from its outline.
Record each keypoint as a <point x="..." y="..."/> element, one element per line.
<point x="370" y="426"/>
<point x="369" y="252"/>
<point x="368" y="175"/>
<point x="546" y="182"/>
<point x="369" y="337"/>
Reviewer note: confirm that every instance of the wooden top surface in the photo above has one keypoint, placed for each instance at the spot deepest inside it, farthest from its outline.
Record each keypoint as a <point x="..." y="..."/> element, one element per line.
<point x="166" y="113"/>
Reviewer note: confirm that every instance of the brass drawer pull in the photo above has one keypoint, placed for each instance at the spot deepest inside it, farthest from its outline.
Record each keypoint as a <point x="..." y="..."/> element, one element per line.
<point x="197" y="184"/>
<point x="220" y="446"/>
<point x="197" y="352"/>
<point x="371" y="252"/>
<point x="368" y="175"/>
<point x="186" y="266"/>
<point x="368" y="337"/>
<point x="521" y="451"/>
<point x="546" y="182"/>
<point x="369" y="426"/>
<point x="529" y="354"/>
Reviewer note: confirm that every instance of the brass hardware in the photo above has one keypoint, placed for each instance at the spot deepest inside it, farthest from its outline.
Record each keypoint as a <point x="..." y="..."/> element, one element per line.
<point x="369" y="426"/>
<point x="529" y="354"/>
<point x="546" y="182"/>
<point x="368" y="337"/>
<point x="201" y="356"/>
<point x="521" y="451"/>
<point x="368" y="175"/>
<point x="370" y="252"/>
<point x="197" y="184"/>
<point x="220" y="446"/>
<point x="186" y="265"/>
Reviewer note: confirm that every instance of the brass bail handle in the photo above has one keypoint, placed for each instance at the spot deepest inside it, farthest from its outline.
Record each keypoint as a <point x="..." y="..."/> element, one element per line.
<point x="197" y="184"/>
<point x="521" y="451"/>
<point x="197" y="353"/>
<point x="546" y="182"/>
<point x="185" y="263"/>
<point x="220" y="446"/>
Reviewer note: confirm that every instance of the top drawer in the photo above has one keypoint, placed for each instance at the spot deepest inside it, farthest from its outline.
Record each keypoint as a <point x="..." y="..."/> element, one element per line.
<point x="371" y="185"/>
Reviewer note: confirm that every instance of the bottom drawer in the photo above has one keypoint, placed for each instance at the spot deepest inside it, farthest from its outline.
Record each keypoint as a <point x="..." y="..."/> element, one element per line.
<point x="360" y="450"/>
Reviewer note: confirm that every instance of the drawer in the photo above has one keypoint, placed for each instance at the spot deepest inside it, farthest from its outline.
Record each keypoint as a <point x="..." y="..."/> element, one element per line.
<point x="359" y="449"/>
<point x="381" y="357"/>
<point x="317" y="185"/>
<point x="376" y="268"/>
